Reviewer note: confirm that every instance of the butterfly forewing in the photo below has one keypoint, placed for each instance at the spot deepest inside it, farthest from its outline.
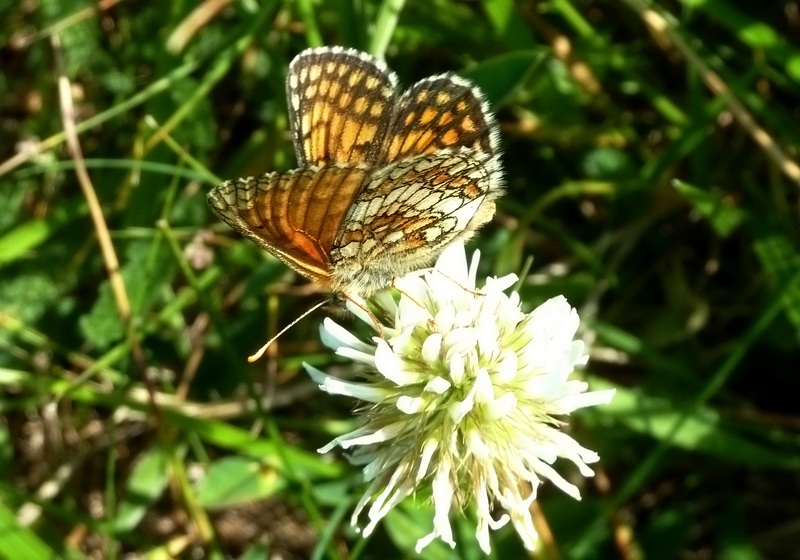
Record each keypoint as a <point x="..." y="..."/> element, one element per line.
<point x="438" y="113"/>
<point x="339" y="106"/>
<point x="295" y="215"/>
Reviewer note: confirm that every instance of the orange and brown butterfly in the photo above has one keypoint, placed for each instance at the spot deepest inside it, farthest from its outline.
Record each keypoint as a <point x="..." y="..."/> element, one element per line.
<point x="385" y="180"/>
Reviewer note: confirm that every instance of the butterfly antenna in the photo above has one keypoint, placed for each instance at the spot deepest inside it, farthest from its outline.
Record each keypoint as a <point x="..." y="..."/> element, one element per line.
<point x="263" y="349"/>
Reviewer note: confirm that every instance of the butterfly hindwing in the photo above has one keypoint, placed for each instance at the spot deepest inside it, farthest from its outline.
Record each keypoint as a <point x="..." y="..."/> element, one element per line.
<point x="339" y="105"/>
<point x="438" y="113"/>
<point x="410" y="210"/>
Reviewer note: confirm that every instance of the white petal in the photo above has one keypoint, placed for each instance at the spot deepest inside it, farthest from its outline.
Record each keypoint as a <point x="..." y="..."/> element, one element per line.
<point x="501" y="284"/>
<point x="387" y="499"/>
<point x="507" y="368"/>
<point x="459" y="409"/>
<point x="428" y="449"/>
<point x="360" y="506"/>
<point x="412" y="310"/>
<point x="438" y="385"/>
<point x="473" y="270"/>
<point x="401" y="342"/>
<point x="358" y="391"/>
<point x="453" y="260"/>
<point x="410" y="405"/>
<point x="375" y="463"/>
<point x="378" y="436"/>
<point x="431" y="348"/>
<point x="484" y="514"/>
<point x="445" y="319"/>
<point x="485" y="519"/>
<point x="442" y="499"/>
<point x="357" y="355"/>
<point x="392" y="366"/>
<point x="334" y="335"/>
<point x="386" y="303"/>
<point x="453" y="263"/>
<point x="457" y="369"/>
<point x="502" y="406"/>
<point x="335" y="386"/>
<point x="556" y="317"/>
<point x="524" y="525"/>
<point x="552" y="475"/>
<point x="476" y="445"/>
<point x="316" y="375"/>
<point x="460" y="341"/>
<point x="570" y="403"/>
<point x="464" y="318"/>
<point x="350" y="435"/>
<point x="412" y="286"/>
<point x="483" y="388"/>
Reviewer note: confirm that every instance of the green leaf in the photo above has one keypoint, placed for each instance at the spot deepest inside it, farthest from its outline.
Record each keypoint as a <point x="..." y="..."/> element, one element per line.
<point x="237" y="480"/>
<point x="758" y="34"/>
<point x="20" y="543"/>
<point x="23" y="239"/>
<point x="793" y="67"/>
<point x="702" y="431"/>
<point x="148" y="268"/>
<point x="406" y="525"/>
<point x="718" y="210"/>
<point x="781" y="261"/>
<point x="6" y="446"/>
<point x="147" y="481"/>
<point x="508" y="24"/>
<point x="27" y="297"/>
<point x="103" y="325"/>
<point x="257" y="552"/>
<point x="607" y="163"/>
<point x="500" y="77"/>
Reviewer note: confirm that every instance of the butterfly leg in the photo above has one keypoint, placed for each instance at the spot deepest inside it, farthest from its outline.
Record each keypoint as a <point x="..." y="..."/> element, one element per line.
<point x="404" y="293"/>
<point x="359" y="302"/>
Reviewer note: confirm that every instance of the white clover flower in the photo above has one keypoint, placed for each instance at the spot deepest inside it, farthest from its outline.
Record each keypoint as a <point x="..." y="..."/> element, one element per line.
<point x="462" y="392"/>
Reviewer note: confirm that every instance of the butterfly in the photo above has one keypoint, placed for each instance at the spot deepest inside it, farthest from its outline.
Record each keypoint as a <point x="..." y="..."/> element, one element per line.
<point x="385" y="179"/>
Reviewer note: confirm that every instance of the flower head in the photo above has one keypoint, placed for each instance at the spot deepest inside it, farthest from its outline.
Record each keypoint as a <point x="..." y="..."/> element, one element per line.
<point x="463" y="392"/>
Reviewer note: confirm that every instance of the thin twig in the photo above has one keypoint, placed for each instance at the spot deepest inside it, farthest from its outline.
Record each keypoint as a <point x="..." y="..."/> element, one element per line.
<point x="667" y="34"/>
<point x="136" y="99"/>
<point x="23" y="40"/>
<point x="100" y="226"/>
<point x="95" y="210"/>
<point x="191" y="24"/>
<point x="562" y="49"/>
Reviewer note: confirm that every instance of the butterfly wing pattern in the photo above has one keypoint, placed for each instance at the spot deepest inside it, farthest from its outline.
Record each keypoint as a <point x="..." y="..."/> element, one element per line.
<point x="385" y="180"/>
<point x="339" y="106"/>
